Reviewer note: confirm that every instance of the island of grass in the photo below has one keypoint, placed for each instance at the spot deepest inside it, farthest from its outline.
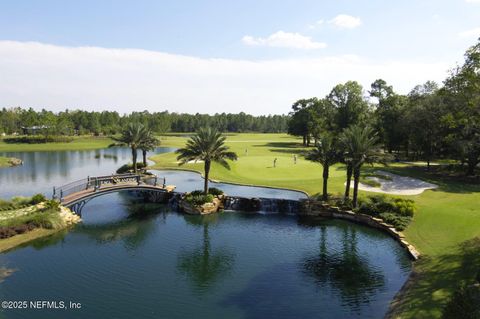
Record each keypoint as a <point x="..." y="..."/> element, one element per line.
<point x="445" y="229"/>
<point x="9" y="161"/>
<point x="23" y="219"/>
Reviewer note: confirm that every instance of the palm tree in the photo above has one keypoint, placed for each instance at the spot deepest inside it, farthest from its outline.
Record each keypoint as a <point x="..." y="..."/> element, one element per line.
<point x="359" y="144"/>
<point x="326" y="154"/>
<point x="148" y="143"/>
<point x="208" y="145"/>
<point x="132" y="136"/>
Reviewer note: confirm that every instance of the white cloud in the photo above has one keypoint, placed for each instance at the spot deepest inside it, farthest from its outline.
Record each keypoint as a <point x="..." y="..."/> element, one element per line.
<point x="472" y="33"/>
<point x="93" y="78"/>
<point x="281" y="39"/>
<point x="345" y="21"/>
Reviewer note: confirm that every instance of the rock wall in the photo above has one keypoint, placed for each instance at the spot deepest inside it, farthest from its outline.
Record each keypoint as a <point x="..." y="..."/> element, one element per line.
<point x="314" y="208"/>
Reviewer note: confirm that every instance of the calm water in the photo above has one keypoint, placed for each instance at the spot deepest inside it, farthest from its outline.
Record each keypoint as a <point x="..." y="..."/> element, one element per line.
<point x="43" y="170"/>
<point x="133" y="260"/>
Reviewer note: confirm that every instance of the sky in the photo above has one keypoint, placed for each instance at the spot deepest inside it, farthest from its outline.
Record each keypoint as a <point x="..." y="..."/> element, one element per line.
<point x="255" y="56"/>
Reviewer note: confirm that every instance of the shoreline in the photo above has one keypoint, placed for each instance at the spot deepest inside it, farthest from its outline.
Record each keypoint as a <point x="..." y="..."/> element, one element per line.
<point x="222" y="181"/>
<point x="68" y="218"/>
<point x="13" y="242"/>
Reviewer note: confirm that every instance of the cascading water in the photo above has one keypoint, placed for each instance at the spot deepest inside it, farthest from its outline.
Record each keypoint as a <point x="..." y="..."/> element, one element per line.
<point x="264" y="205"/>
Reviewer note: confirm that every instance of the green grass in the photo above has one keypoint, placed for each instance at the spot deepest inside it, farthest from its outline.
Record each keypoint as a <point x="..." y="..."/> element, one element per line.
<point x="4" y="161"/>
<point x="79" y="143"/>
<point x="447" y="217"/>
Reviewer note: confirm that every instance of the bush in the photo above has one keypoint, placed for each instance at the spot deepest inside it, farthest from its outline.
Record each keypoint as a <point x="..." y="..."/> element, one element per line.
<point x="395" y="211"/>
<point x="199" y="200"/>
<point x="196" y="193"/>
<point x="52" y="205"/>
<point x="399" y="222"/>
<point x="37" y="139"/>
<point x="129" y="168"/>
<point x="215" y="191"/>
<point x="38" y="198"/>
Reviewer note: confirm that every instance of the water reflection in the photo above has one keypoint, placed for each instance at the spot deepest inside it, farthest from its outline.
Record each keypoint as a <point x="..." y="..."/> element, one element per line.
<point x="204" y="266"/>
<point x="350" y="275"/>
<point x="133" y="226"/>
<point x="43" y="170"/>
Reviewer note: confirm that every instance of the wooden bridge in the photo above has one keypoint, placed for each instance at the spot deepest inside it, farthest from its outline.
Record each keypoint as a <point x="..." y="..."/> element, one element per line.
<point x="79" y="191"/>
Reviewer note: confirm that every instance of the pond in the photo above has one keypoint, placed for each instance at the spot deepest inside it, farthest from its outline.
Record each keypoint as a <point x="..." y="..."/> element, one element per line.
<point x="44" y="170"/>
<point x="129" y="259"/>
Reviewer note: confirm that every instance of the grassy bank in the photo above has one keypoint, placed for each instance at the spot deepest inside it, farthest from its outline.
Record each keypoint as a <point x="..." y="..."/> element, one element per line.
<point x="18" y="240"/>
<point x="448" y="218"/>
<point x="78" y="143"/>
<point x="23" y="219"/>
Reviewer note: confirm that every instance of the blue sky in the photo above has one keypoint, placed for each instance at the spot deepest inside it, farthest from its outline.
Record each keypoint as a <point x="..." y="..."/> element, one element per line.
<point x="210" y="56"/>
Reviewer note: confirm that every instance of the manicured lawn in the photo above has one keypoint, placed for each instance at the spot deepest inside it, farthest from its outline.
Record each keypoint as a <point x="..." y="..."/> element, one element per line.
<point x="447" y="217"/>
<point x="79" y="143"/>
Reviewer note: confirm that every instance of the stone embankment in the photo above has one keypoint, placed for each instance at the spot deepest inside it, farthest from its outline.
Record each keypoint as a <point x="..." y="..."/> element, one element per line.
<point x="314" y="208"/>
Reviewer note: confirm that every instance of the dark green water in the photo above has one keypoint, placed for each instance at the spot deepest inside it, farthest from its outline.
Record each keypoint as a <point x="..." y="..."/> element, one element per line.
<point x="134" y="260"/>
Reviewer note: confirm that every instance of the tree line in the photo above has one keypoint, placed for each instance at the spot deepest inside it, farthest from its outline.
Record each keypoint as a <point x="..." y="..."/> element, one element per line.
<point x="432" y="121"/>
<point x="77" y="122"/>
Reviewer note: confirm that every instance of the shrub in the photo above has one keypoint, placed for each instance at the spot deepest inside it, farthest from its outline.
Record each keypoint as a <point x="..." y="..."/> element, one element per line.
<point x="52" y="205"/>
<point x="196" y="193"/>
<point x="129" y="167"/>
<point x="37" y="139"/>
<point x="199" y="200"/>
<point x="399" y="222"/>
<point x="395" y="211"/>
<point x="215" y="191"/>
<point x="38" y="198"/>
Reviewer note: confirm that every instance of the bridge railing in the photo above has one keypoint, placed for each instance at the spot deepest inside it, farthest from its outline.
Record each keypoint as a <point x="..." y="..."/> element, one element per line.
<point x="97" y="182"/>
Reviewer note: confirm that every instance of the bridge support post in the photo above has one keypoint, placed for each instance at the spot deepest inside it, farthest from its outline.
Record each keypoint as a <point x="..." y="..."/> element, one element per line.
<point x="156" y="177"/>
<point x="53" y="196"/>
<point x="61" y="195"/>
<point x="164" y="182"/>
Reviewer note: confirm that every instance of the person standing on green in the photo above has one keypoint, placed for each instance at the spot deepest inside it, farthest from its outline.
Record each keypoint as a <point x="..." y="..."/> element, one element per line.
<point x="275" y="162"/>
<point x="294" y="158"/>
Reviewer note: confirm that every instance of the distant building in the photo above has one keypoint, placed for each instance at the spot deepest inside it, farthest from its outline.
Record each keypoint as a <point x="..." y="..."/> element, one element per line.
<point x="34" y="130"/>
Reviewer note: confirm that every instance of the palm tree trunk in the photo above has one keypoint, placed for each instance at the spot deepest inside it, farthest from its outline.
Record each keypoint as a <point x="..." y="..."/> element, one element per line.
<point x="144" y="154"/>
<point x="207" y="172"/>
<point x="356" y="180"/>
<point x="349" y="178"/>
<point x="134" y="159"/>
<point x="325" y="182"/>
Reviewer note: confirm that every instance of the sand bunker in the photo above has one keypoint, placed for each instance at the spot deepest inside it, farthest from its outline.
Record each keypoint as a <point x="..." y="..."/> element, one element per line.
<point x="399" y="185"/>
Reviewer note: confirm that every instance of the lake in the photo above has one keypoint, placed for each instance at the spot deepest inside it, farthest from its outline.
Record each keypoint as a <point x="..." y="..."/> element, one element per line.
<point x="129" y="259"/>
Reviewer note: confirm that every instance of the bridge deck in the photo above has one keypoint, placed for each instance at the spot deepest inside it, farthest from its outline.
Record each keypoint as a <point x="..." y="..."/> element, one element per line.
<point x="72" y="198"/>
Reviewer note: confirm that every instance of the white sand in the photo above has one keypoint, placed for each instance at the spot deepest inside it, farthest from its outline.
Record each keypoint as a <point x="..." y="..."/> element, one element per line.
<point x="399" y="185"/>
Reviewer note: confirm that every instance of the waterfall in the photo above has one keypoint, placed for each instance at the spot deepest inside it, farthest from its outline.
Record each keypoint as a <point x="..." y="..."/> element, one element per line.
<point x="264" y="205"/>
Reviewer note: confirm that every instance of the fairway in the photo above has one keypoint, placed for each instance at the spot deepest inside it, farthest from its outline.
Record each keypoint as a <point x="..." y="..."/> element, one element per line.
<point x="447" y="217"/>
<point x="78" y="143"/>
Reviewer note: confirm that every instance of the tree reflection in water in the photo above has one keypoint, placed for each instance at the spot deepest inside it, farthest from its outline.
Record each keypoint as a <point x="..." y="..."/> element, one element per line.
<point x="204" y="266"/>
<point x="133" y="230"/>
<point x="346" y="271"/>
